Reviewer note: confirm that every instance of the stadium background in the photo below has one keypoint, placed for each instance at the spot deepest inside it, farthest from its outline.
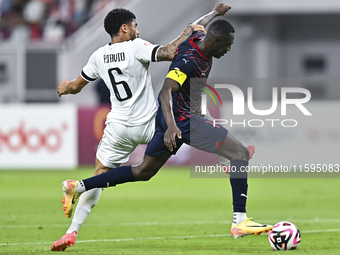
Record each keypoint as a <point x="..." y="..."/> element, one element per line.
<point x="43" y="42"/>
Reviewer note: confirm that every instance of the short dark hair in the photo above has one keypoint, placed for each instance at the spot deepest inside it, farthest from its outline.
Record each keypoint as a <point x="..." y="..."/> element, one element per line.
<point x="220" y="28"/>
<point x="116" y="18"/>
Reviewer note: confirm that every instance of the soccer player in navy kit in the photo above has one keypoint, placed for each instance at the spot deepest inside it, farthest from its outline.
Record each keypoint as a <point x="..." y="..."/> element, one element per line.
<point x="178" y="121"/>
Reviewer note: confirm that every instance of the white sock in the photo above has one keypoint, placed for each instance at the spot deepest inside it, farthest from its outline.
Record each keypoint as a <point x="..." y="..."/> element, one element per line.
<point x="86" y="202"/>
<point x="80" y="187"/>
<point x="239" y="217"/>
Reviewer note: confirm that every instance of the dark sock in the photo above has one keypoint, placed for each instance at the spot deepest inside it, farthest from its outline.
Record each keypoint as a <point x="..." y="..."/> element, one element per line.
<point x="239" y="186"/>
<point x="116" y="176"/>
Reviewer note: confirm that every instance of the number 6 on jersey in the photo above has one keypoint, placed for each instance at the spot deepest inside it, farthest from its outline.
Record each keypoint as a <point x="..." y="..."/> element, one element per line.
<point x="116" y="84"/>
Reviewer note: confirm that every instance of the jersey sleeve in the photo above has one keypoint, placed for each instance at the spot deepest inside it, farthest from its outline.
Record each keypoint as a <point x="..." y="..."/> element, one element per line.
<point x="144" y="51"/>
<point x="177" y="76"/>
<point x="89" y="72"/>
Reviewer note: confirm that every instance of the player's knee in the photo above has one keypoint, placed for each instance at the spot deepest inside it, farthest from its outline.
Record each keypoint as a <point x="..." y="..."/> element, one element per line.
<point x="242" y="153"/>
<point x="245" y="153"/>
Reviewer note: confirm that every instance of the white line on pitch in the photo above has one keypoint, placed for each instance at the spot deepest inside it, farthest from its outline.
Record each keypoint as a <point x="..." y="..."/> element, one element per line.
<point x="124" y="239"/>
<point x="316" y="220"/>
<point x="161" y="238"/>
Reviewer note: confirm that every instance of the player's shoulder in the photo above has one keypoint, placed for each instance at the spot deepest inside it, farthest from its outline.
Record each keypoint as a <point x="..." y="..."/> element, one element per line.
<point x="188" y="44"/>
<point x="185" y="63"/>
<point x="139" y="42"/>
<point x="197" y="34"/>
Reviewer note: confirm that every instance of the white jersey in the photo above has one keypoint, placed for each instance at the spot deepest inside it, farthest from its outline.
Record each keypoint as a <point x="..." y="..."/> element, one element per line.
<point x="124" y="68"/>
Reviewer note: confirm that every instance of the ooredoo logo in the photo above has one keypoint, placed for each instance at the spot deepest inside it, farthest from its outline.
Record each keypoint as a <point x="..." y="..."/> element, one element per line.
<point x="33" y="139"/>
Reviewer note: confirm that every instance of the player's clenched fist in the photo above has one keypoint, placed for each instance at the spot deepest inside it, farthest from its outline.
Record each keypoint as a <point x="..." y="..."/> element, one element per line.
<point x="62" y="88"/>
<point x="221" y="8"/>
<point x="170" y="137"/>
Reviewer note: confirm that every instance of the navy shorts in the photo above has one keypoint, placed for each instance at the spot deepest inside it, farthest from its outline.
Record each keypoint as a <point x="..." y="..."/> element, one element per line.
<point x="197" y="132"/>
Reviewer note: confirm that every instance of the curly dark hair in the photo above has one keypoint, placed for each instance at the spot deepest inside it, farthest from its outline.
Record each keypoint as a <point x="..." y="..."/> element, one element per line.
<point x="116" y="18"/>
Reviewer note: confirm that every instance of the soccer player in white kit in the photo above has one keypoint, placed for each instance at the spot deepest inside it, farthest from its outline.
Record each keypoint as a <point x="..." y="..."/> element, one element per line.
<point x="123" y="65"/>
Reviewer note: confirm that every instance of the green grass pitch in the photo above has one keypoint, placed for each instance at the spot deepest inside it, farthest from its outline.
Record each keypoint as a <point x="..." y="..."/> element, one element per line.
<point x="171" y="214"/>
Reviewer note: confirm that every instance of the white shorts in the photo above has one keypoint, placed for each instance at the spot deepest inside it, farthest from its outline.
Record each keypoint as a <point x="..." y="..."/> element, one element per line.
<point x="119" y="141"/>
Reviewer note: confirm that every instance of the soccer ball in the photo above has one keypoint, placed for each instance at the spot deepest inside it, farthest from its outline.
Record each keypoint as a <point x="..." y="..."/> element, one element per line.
<point x="284" y="236"/>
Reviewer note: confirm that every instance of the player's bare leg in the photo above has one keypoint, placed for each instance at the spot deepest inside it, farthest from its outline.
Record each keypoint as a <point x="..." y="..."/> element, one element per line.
<point x="232" y="149"/>
<point x="226" y="162"/>
<point x="150" y="166"/>
<point x="239" y="156"/>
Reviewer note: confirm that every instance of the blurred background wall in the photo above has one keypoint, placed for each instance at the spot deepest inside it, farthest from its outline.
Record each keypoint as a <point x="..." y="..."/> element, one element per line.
<point x="43" y="42"/>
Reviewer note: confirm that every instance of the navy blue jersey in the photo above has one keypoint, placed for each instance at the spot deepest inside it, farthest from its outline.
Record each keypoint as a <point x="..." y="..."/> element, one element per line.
<point x="196" y="131"/>
<point x="190" y="60"/>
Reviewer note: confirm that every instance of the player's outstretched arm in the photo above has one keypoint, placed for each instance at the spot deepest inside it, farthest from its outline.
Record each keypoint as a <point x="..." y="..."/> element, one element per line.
<point x="167" y="52"/>
<point x="71" y="87"/>
<point x="170" y="86"/>
<point x="218" y="10"/>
